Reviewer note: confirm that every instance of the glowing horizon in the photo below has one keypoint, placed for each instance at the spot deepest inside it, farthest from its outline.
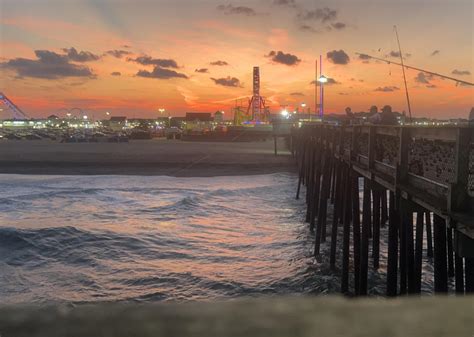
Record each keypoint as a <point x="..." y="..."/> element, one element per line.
<point x="132" y="58"/>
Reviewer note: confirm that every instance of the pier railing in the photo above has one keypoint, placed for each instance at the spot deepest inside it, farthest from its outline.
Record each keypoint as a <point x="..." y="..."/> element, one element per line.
<point x="424" y="170"/>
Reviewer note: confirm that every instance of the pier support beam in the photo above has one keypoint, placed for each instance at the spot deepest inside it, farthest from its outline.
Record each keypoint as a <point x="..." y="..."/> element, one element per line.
<point x="346" y="233"/>
<point x="418" y="250"/>
<point x="392" y="259"/>
<point x="356" y="230"/>
<point x="364" y="239"/>
<point x="440" y="256"/>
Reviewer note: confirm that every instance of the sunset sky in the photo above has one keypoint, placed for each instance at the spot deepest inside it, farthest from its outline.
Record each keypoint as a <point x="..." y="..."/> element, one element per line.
<point x="134" y="57"/>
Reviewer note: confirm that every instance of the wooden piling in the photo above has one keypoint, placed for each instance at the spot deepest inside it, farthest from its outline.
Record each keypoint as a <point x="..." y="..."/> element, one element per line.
<point x="364" y="239"/>
<point x="403" y="247"/>
<point x="346" y="234"/>
<point x="449" y="238"/>
<point x="335" y="220"/>
<point x="376" y="226"/>
<point x="356" y="231"/>
<point x="410" y="250"/>
<point x="392" y="259"/>
<point x="429" y="235"/>
<point x="469" y="274"/>
<point x="384" y="207"/>
<point x="459" y="271"/>
<point x="418" y="250"/>
<point x="440" y="255"/>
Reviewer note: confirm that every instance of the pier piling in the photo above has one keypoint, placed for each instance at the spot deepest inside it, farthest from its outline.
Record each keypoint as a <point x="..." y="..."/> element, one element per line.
<point x="399" y="181"/>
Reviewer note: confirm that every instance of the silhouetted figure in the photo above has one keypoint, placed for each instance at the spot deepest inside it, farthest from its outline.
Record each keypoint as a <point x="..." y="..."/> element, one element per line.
<point x="349" y="118"/>
<point x="388" y="117"/>
<point x="471" y="117"/>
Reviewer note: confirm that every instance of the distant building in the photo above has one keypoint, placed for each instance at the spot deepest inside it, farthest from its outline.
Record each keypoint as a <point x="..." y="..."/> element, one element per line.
<point x="199" y="121"/>
<point x="219" y="116"/>
<point x="117" y="123"/>
<point x="471" y="117"/>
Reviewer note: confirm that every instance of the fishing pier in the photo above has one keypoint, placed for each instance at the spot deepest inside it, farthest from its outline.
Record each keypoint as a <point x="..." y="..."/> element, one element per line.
<point x="413" y="180"/>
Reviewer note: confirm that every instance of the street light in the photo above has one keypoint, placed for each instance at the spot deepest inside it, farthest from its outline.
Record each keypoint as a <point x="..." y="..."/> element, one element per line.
<point x="107" y="113"/>
<point x="284" y="113"/>
<point x="323" y="79"/>
<point x="303" y="105"/>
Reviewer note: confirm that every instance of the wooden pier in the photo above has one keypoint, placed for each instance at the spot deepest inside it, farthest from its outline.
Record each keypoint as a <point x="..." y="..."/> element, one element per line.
<point x="415" y="180"/>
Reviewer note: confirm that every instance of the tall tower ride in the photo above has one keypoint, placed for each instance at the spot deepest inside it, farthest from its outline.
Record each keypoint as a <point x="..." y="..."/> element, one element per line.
<point x="256" y="105"/>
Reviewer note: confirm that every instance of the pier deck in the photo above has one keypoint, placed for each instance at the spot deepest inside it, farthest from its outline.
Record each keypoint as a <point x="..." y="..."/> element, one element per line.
<point x="406" y="171"/>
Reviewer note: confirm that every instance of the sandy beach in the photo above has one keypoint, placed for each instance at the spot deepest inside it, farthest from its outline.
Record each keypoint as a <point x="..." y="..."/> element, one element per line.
<point x="144" y="157"/>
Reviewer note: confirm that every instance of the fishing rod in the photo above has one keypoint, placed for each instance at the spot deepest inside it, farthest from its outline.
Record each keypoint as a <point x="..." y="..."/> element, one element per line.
<point x="403" y="68"/>
<point x="418" y="69"/>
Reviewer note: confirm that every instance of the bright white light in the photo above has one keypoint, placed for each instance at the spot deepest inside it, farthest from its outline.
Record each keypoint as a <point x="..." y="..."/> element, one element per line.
<point x="284" y="113"/>
<point x="303" y="105"/>
<point x="85" y="117"/>
<point x="107" y="113"/>
<point x="323" y="79"/>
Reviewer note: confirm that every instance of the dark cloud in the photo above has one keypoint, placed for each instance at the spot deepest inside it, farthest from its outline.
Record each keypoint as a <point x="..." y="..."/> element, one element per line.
<point x="283" y="58"/>
<point x="160" y="73"/>
<point x="118" y="53"/>
<point x="116" y="73"/>
<point x="236" y="10"/>
<point x="338" y="25"/>
<point x="82" y="56"/>
<point x="460" y="72"/>
<point x="423" y="78"/>
<point x="431" y="86"/>
<point x="219" y="63"/>
<point x="201" y="70"/>
<point x="290" y="3"/>
<point x="307" y="28"/>
<point x="338" y="57"/>
<point x="364" y="57"/>
<point x="126" y="46"/>
<point x="343" y="94"/>
<point x="321" y="14"/>
<point x="387" y="89"/>
<point x="396" y="54"/>
<point x="148" y="60"/>
<point x="296" y="94"/>
<point x="227" y="81"/>
<point x="435" y="52"/>
<point x="48" y="65"/>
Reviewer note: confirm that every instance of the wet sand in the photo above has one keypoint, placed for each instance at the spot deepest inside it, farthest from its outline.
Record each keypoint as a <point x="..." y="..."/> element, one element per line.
<point x="144" y="157"/>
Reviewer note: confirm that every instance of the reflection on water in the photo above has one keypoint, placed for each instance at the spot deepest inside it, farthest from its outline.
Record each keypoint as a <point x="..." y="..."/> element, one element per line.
<point x="113" y="238"/>
<point x="107" y="238"/>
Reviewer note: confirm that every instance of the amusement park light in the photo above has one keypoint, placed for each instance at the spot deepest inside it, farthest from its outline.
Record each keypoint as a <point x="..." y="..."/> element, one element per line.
<point x="323" y="79"/>
<point x="85" y="117"/>
<point x="303" y="105"/>
<point x="107" y="113"/>
<point x="284" y="113"/>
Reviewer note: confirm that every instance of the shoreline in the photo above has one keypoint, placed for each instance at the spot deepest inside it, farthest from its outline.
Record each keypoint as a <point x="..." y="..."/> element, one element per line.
<point x="144" y="169"/>
<point x="148" y="157"/>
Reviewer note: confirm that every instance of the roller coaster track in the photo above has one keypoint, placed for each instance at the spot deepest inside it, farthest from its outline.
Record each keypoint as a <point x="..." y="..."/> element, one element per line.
<point x="17" y="112"/>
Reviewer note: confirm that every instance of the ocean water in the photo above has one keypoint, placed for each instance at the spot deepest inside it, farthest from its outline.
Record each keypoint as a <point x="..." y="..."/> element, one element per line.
<point x="77" y="239"/>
